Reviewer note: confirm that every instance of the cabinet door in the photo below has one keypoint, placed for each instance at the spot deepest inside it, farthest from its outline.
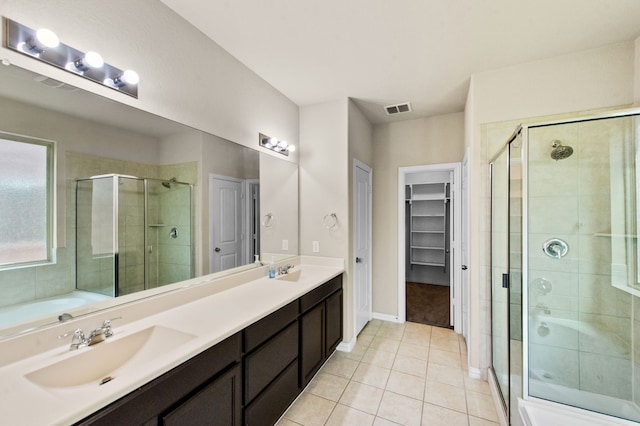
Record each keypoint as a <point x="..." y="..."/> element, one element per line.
<point x="312" y="343"/>
<point x="219" y="403"/>
<point x="333" y="332"/>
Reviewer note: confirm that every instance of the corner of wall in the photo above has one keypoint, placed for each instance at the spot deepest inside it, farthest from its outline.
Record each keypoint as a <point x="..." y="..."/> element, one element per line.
<point x="636" y="72"/>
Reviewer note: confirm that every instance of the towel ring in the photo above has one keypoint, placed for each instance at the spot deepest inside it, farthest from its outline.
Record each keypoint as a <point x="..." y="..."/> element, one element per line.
<point x="267" y="220"/>
<point x="330" y="220"/>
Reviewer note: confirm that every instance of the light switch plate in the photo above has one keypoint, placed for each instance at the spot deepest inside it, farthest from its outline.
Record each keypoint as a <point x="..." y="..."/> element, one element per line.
<point x="316" y="246"/>
<point x="285" y="244"/>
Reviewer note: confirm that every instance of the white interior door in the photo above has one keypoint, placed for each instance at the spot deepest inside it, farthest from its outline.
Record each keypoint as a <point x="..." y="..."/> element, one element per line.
<point x="362" y="244"/>
<point x="225" y="225"/>
<point x="464" y="242"/>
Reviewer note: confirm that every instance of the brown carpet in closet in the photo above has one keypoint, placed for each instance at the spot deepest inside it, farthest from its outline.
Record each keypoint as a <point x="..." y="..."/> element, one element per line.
<point x="428" y="304"/>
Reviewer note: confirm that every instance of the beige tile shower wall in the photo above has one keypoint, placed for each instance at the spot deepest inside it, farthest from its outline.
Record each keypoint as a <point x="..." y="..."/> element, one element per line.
<point x="570" y="199"/>
<point x="173" y="210"/>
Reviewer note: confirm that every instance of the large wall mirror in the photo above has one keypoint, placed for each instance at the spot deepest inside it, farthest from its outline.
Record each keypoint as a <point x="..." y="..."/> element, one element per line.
<point x="141" y="202"/>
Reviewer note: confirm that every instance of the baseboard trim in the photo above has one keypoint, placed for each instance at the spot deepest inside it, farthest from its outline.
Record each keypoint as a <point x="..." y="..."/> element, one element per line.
<point x="478" y="373"/>
<point x="347" y="346"/>
<point x="386" y="317"/>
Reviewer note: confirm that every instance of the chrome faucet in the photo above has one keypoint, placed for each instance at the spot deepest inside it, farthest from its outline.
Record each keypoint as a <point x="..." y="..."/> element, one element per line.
<point x="284" y="269"/>
<point x="79" y="340"/>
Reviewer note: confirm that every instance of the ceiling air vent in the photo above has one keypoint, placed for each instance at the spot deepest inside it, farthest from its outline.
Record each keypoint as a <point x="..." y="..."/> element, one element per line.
<point x="54" y="83"/>
<point x="398" y="108"/>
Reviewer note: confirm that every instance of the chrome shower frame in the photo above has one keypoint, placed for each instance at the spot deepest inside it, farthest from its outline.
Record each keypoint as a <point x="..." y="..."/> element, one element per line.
<point x="116" y="207"/>
<point x="523" y="129"/>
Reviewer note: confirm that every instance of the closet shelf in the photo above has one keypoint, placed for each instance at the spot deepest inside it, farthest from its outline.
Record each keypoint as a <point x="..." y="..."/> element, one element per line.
<point x="427" y="248"/>
<point x="428" y="264"/>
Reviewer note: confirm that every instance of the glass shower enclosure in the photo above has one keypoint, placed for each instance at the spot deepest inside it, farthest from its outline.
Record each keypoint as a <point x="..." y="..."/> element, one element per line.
<point x="132" y="233"/>
<point x="565" y="291"/>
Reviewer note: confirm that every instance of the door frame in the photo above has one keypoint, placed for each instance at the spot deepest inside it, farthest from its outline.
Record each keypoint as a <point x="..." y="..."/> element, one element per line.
<point x="456" y="285"/>
<point x="359" y="164"/>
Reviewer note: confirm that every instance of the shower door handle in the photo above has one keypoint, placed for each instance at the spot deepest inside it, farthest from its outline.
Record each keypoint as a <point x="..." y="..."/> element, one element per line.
<point x="505" y="280"/>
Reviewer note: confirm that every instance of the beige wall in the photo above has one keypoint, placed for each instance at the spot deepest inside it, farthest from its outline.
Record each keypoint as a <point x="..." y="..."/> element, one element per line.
<point x="324" y="187"/>
<point x="587" y="80"/>
<point x="636" y="79"/>
<point x="184" y="76"/>
<point x="432" y="140"/>
<point x="278" y="196"/>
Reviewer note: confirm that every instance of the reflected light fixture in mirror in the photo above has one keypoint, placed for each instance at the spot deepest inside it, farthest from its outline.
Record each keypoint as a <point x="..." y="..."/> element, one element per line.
<point x="45" y="46"/>
<point x="276" y="145"/>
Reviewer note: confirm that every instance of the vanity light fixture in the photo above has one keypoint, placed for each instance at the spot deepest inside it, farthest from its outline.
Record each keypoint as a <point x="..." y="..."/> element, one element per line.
<point x="275" y="145"/>
<point x="45" y="46"/>
<point x="84" y="63"/>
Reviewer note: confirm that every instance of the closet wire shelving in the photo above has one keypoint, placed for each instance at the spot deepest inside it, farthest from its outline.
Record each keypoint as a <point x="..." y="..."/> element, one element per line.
<point x="428" y="207"/>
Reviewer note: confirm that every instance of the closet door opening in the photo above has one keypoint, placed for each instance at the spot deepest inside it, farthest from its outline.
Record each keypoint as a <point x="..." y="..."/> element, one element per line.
<point x="429" y="266"/>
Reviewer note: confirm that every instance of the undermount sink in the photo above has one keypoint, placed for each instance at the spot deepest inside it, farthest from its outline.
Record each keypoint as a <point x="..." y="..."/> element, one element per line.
<point x="106" y="361"/>
<point x="293" y="276"/>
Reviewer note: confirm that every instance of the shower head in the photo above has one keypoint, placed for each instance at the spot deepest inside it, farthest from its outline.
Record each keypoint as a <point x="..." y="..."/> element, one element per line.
<point x="167" y="183"/>
<point x="559" y="151"/>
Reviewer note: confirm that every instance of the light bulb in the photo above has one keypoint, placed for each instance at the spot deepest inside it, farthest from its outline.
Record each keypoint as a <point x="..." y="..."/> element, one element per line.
<point x="93" y="60"/>
<point x="130" y="77"/>
<point x="291" y="148"/>
<point x="47" y="38"/>
<point x="89" y="60"/>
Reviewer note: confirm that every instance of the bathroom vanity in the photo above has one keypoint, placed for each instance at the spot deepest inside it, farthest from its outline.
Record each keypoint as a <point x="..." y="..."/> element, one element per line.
<point x="238" y="356"/>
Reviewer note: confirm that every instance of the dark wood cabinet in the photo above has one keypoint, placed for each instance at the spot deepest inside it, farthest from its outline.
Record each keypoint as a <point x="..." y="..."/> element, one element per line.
<point x="312" y="348"/>
<point x="333" y="333"/>
<point x="320" y="327"/>
<point x="249" y="378"/>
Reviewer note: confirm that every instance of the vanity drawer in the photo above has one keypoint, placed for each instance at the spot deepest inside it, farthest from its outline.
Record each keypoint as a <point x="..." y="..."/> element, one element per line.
<point x="267" y="408"/>
<point x="315" y="296"/>
<point x="261" y="331"/>
<point x="266" y="363"/>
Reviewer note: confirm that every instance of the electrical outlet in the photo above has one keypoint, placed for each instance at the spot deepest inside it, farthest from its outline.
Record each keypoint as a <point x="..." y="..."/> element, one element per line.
<point x="316" y="246"/>
<point x="285" y="244"/>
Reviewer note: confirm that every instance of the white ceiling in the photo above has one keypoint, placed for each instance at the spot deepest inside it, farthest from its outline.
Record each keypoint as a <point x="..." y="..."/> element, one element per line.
<point x="387" y="52"/>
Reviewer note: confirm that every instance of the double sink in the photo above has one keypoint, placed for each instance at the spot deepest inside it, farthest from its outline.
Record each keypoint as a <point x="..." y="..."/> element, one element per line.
<point x="120" y="356"/>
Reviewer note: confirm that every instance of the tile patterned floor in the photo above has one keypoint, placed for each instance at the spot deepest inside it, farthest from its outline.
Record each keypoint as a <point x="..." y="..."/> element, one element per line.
<point x="407" y="374"/>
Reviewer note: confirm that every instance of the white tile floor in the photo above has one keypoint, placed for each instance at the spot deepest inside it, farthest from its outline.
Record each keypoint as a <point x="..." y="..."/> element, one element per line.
<point x="408" y="374"/>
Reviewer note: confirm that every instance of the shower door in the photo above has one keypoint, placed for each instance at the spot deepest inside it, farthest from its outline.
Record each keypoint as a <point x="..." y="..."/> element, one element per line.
<point x="499" y="274"/>
<point x="506" y="275"/>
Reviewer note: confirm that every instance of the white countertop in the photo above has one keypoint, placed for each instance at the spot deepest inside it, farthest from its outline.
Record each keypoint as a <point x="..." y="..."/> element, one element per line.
<point x="206" y="321"/>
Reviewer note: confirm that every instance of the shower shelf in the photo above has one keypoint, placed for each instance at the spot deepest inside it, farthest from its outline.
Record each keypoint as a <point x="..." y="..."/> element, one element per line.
<point x="601" y="234"/>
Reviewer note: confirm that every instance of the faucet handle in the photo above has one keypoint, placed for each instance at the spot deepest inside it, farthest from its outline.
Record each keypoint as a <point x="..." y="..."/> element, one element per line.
<point x="106" y="326"/>
<point x="77" y="333"/>
<point x="77" y="341"/>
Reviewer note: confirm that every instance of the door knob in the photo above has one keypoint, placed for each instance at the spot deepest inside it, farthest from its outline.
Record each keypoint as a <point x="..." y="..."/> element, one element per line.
<point x="358" y="260"/>
<point x="217" y="250"/>
<point x="464" y="267"/>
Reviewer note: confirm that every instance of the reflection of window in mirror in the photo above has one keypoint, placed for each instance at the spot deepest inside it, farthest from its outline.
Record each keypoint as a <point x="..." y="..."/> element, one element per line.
<point x="26" y="176"/>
